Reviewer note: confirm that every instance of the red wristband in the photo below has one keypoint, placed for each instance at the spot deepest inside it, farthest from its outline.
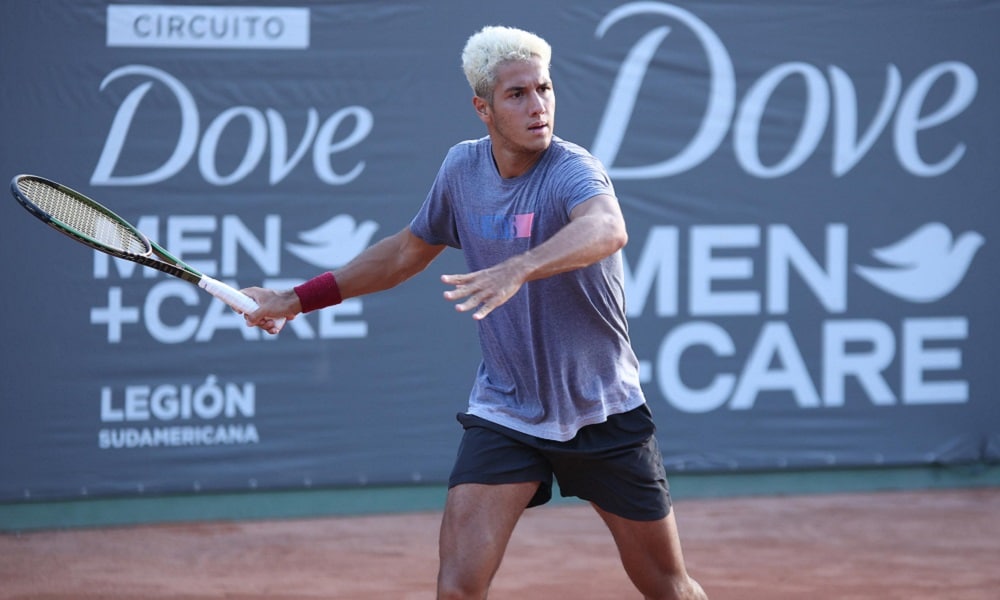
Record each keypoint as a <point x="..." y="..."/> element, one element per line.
<point x="319" y="292"/>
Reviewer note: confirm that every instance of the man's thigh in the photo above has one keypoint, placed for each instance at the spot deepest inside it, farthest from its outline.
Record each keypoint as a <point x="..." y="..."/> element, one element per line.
<point x="477" y="524"/>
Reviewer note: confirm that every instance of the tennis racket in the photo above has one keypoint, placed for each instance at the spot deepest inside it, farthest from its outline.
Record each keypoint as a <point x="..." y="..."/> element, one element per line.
<point x="77" y="216"/>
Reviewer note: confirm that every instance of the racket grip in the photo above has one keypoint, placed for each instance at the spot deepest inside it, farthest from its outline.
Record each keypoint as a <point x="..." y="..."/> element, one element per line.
<point x="236" y="299"/>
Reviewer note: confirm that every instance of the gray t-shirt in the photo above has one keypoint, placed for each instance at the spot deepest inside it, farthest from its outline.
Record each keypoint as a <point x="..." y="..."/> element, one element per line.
<point x="556" y="355"/>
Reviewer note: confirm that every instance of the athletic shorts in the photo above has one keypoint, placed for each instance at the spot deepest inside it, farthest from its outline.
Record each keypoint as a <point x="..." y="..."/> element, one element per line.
<point x="616" y="465"/>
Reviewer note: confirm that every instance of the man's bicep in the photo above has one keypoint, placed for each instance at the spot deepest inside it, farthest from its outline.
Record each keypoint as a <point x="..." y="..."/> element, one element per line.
<point x="415" y="252"/>
<point x="601" y="204"/>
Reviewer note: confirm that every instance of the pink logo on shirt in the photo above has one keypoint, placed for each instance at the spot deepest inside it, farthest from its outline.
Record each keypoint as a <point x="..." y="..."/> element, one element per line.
<point x="505" y="227"/>
<point x="522" y="225"/>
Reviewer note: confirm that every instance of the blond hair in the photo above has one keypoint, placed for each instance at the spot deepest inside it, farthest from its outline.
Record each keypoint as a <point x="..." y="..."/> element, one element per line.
<point x="492" y="46"/>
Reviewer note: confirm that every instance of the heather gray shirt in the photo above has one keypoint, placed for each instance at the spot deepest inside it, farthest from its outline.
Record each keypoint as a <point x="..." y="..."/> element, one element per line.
<point x="556" y="356"/>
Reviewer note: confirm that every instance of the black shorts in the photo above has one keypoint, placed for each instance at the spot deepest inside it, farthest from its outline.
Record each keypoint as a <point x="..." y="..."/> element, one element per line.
<point x="617" y="464"/>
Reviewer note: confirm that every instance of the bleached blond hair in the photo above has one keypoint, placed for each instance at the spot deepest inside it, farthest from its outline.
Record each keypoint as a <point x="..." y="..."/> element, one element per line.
<point x="492" y="46"/>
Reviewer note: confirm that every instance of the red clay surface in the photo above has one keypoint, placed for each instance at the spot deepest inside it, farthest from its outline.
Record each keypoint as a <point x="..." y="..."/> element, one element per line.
<point x="940" y="545"/>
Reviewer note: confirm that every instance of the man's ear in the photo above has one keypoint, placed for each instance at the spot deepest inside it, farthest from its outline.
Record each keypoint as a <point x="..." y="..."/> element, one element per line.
<point x="481" y="106"/>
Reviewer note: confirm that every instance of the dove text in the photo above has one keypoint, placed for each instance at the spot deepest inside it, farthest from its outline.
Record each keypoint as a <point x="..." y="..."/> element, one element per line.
<point x="268" y="130"/>
<point x="828" y="97"/>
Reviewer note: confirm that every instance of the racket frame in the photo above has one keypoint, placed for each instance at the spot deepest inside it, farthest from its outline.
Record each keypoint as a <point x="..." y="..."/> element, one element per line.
<point x="154" y="256"/>
<point x="167" y="263"/>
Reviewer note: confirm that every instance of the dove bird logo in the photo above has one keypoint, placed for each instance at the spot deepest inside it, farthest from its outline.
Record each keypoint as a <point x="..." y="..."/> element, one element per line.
<point x="334" y="243"/>
<point x="924" y="266"/>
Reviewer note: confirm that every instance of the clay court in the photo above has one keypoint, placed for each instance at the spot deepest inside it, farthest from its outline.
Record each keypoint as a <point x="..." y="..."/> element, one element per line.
<point x="940" y="544"/>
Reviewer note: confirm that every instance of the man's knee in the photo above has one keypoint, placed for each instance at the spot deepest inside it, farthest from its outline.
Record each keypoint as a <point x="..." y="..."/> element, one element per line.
<point x="456" y="588"/>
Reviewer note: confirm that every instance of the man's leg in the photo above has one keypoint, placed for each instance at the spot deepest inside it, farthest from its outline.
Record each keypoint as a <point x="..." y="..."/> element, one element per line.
<point x="477" y="524"/>
<point x="651" y="554"/>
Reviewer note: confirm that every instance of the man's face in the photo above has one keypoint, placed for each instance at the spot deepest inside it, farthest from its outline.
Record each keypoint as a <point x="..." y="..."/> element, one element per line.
<point x="522" y="114"/>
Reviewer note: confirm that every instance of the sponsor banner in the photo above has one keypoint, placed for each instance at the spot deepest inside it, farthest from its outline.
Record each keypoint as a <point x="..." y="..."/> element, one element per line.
<point x="810" y="275"/>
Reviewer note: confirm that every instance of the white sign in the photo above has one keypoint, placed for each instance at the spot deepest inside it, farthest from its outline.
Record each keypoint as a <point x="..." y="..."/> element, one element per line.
<point x="231" y="27"/>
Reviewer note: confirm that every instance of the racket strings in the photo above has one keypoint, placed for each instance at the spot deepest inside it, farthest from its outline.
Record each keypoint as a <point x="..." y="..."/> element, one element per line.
<point x="84" y="218"/>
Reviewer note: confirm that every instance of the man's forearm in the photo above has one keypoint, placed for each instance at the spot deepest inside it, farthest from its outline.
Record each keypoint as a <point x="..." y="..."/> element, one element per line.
<point x="384" y="265"/>
<point x="582" y="242"/>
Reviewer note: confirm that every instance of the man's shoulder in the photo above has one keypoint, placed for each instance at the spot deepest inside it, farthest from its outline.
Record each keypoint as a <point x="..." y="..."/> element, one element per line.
<point x="570" y="154"/>
<point x="466" y="159"/>
<point x="568" y="146"/>
<point x="468" y="150"/>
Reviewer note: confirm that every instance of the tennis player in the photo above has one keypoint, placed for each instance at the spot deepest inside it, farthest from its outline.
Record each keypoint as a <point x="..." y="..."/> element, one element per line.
<point x="557" y="393"/>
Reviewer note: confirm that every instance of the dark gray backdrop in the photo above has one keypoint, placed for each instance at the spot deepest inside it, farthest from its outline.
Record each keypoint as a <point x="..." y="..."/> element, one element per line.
<point x="810" y="188"/>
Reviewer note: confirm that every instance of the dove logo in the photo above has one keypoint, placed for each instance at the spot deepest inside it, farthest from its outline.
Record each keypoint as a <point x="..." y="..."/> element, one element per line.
<point x="333" y="243"/>
<point x="831" y="100"/>
<point x="268" y="131"/>
<point x="924" y="266"/>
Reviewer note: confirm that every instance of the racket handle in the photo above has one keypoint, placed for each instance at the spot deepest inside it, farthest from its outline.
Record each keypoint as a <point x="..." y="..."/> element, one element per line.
<point x="236" y="299"/>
